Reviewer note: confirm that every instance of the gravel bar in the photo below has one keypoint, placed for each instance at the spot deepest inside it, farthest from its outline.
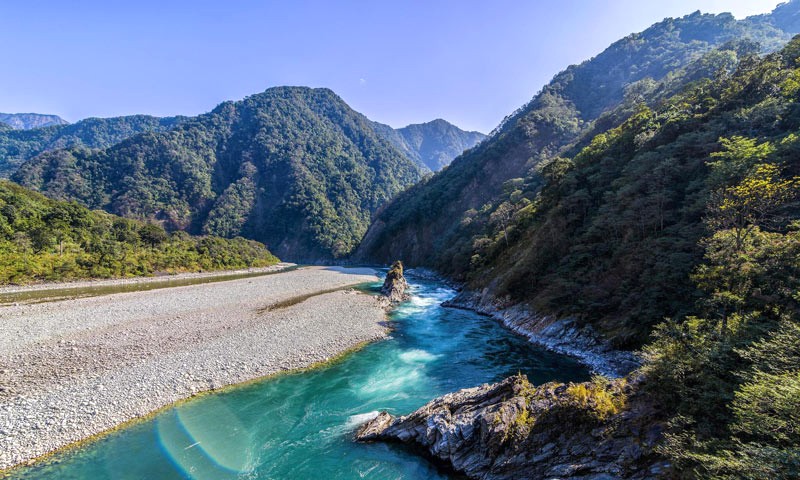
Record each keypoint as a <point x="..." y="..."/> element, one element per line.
<point x="75" y="368"/>
<point x="159" y="278"/>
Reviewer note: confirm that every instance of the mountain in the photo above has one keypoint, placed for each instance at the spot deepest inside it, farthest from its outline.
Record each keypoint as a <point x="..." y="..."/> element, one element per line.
<point x="608" y="233"/>
<point x="47" y="240"/>
<point x="679" y="229"/>
<point x="697" y="201"/>
<point x="25" y="121"/>
<point x="785" y="17"/>
<point x="433" y="144"/>
<point x="671" y="223"/>
<point x="293" y="167"/>
<point x="441" y="222"/>
<point x="18" y="146"/>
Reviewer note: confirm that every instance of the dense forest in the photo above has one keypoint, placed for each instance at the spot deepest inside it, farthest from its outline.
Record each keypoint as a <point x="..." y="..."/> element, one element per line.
<point x="651" y="193"/>
<point x="687" y="210"/>
<point x="728" y="370"/>
<point x="293" y="167"/>
<point x="44" y="239"/>
<point x="461" y="219"/>
<point x="433" y="145"/>
<point x="425" y="225"/>
<point x="18" y="146"/>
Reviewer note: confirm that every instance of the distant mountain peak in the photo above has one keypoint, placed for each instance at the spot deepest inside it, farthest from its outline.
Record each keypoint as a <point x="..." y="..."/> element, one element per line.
<point x="786" y="16"/>
<point x="300" y="90"/>
<point x="432" y="144"/>
<point x="27" y="121"/>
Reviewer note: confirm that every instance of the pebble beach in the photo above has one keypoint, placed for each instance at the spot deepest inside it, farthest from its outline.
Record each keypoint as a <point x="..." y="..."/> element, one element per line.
<point x="72" y="369"/>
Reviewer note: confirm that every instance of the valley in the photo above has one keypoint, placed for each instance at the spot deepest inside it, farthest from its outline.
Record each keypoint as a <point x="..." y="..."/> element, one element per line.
<point x="307" y="418"/>
<point x="603" y="287"/>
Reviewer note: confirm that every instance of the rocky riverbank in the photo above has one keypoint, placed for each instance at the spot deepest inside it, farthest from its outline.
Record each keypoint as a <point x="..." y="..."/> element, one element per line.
<point x="559" y="335"/>
<point x="75" y="368"/>
<point x="512" y="430"/>
<point x="603" y="429"/>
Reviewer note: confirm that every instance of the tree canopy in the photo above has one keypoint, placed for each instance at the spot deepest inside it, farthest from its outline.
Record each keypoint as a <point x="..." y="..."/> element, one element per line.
<point x="43" y="239"/>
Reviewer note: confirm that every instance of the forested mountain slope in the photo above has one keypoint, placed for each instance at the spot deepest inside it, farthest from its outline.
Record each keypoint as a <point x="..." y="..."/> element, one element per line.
<point x="44" y="239"/>
<point x="614" y="235"/>
<point x="432" y="144"/>
<point x="689" y="209"/>
<point x="293" y="167"/>
<point x="18" y="146"/>
<point x="718" y="165"/>
<point x="425" y="225"/>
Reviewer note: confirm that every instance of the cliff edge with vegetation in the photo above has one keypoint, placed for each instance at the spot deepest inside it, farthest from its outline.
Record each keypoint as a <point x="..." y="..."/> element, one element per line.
<point x="673" y="225"/>
<point x="512" y="430"/>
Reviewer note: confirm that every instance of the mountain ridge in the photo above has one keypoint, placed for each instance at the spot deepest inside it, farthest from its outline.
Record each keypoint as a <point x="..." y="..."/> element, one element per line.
<point x="423" y="224"/>
<point x="26" y="121"/>
<point x="668" y="225"/>
<point x="19" y="146"/>
<point x="294" y="167"/>
<point x="433" y="144"/>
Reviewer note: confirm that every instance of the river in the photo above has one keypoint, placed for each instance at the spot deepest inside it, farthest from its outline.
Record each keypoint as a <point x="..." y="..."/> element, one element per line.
<point x="300" y="426"/>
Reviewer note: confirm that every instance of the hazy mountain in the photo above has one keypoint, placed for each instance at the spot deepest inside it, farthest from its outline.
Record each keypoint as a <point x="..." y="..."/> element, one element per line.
<point x="293" y="167"/>
<point x="25" y="121"/>
<point x="17" y="146"/>
<point x="433" y="144"/>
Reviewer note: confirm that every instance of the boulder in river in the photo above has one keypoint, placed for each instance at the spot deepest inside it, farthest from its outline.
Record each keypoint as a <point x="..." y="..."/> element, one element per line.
<point x="510" y="430"/>
<point x="395" y="285"/>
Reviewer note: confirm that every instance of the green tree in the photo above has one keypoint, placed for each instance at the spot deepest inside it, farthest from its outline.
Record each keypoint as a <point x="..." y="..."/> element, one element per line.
<point x="737" y="158"/>
<point x="754" y="202"/>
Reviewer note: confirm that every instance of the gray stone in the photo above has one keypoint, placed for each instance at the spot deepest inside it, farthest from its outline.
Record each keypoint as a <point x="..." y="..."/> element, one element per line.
<point x="395" y="285"/>
<point x="479" y="432"/>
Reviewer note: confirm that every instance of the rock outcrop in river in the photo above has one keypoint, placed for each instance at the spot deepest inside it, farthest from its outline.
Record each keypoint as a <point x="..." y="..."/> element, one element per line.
<point x="511" y="430"/>
<point x="395" y="285"/>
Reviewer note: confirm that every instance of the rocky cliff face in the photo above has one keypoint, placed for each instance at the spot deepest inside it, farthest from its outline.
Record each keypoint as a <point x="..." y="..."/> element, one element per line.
<point x="395" y="285"/>
<point x="512" y="430"/>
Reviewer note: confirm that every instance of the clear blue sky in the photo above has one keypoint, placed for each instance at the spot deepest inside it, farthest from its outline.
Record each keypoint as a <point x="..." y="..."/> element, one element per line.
<point x="470" y="62"/>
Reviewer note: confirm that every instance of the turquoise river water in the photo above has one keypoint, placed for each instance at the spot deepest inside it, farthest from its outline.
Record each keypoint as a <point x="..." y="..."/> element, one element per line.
<point x="301" y="426"/>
